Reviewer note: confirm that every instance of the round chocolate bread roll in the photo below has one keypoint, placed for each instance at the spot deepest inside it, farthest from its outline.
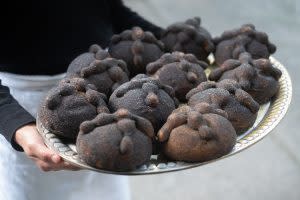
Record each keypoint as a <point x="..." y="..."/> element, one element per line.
<point x="137" y="48"/>
<point x="227" y="95"/>
<point x="145" y="97"/>
<point x="120" y="141"/>
<point x="68" y="105"/>
<point x="106" y="74"/>
<point x="84" y="60"/>
<point x="257" y="77"/>
<point x="197" y="134"/>
<point x="182" y="72"/>
<point x="245" y="39"/>
<point x="188" y="37"/>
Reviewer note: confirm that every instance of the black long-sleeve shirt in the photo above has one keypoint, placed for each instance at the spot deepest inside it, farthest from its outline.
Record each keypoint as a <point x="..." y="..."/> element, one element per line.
<point x="43" y="37"/>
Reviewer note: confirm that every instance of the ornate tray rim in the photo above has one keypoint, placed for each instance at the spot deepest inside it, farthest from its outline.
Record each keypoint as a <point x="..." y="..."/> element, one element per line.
<point x="275" y="110"/>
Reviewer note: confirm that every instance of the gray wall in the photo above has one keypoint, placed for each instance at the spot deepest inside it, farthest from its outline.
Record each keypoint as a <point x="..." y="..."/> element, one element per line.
<point x="271" y="168"/>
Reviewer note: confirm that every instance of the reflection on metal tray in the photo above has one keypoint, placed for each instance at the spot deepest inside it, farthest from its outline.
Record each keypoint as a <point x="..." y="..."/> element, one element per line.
<point x="270" y="114"/>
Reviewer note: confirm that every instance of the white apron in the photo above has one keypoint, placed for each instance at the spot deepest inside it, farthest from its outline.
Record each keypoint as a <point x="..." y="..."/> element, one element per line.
<point x="21" y="179"/>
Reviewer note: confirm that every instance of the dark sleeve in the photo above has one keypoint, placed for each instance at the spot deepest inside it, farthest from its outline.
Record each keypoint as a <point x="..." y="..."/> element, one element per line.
<point x="13" y="116"/>
<point x="124" y="18"/>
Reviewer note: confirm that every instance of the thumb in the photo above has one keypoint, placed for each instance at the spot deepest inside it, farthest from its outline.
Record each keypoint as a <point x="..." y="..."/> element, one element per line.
<point x="42" y="152"/>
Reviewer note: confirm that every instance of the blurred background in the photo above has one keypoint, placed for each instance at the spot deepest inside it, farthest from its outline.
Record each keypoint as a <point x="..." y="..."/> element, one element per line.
<point x="267" y="170"/>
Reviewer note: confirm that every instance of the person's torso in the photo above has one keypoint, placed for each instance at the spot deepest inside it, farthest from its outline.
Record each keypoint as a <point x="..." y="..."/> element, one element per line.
<point x="42" y="37"/>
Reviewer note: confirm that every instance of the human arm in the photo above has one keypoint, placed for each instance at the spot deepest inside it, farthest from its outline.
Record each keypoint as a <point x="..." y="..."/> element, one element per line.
<point x="124" y="18"/>
<point x="18" y="127"/>
<point x="13" y="116"/>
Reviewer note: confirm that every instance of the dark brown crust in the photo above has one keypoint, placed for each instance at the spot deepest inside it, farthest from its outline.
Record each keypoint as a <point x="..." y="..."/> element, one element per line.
<point x="188" y="37"/>
<point x="137" y="48"/>
<point x="106" y="74"/>
<point x="257" y="77"/>
<point x="181" y="71"/>
<point x="85" y="59"/>
<point x="227" y="95"/>
<point x="69" y="104"/>
<point x="120" y="141"/>
<point x="245" y="39"/>
<point x="197" y="134"/>
<point x="145" y="97"/>
<point x="99" y="69"/>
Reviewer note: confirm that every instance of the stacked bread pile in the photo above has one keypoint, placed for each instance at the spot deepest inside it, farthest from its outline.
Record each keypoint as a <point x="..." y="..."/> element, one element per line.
<point x="147" y="96"/>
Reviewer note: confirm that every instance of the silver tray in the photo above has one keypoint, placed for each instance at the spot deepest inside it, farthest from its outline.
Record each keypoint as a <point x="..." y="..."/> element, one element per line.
<point x="269" y="115"/>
